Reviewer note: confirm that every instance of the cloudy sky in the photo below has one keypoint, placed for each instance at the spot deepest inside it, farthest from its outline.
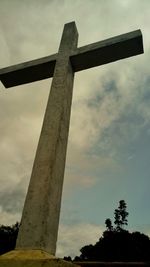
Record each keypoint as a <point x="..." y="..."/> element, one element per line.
<point x="108" y="157"/>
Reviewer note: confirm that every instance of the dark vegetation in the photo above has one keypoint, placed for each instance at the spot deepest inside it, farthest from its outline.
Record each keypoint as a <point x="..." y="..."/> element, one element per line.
<point x="116" y="243"/>
<point x="8" y="236"/>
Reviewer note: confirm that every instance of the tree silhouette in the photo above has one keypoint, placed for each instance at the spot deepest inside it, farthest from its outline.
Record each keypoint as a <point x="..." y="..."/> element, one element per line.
<point x="116" y="243"/>
<point x="120" y="216"/>
<point x="8" y="236"/>
<point x="109" y="224"/>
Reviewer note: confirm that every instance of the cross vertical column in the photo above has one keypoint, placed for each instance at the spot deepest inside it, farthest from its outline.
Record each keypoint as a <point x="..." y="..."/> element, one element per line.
<point x="40" y="218"/>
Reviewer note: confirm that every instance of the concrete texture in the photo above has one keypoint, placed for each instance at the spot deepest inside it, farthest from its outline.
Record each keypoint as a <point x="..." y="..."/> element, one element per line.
<point x="31" y="258"/>
<point x="40" y="219"/>
<point x="110" y="50"/>
<point x="103" y="52"/>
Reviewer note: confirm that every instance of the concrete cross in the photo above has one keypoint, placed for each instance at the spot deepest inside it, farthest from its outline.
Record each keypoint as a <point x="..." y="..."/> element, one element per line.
<point x="40" y="218"/>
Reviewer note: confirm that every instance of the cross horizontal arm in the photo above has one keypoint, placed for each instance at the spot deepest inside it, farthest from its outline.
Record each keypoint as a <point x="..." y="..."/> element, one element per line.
<point x="99" y="53"/>
<point x="112" y="49"/>
<point x="29" y="71"/>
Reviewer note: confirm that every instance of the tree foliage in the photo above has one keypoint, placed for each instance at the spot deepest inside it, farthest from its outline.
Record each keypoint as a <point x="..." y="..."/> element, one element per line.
<point x="8" y="236"/>
<point x="120" y="216"/>
<point x="118" y="246"/>
<point x="108" y="223"/>
<point x="116" y="243"/>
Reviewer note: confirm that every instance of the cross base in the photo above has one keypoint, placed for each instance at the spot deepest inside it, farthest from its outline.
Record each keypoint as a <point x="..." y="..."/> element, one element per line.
<point x="32" y="258"/>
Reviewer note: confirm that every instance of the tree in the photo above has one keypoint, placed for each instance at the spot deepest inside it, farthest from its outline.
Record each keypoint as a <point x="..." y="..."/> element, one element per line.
<point x="8" y="237"/>
<point x="67" y="258"/>
<point x="116" y="243"/>
<point x="109" y="224"/>
<point x="120" y="216"/>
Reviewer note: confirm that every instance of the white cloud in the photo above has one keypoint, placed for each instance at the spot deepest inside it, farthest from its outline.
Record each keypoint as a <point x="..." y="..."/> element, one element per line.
<point x="73" y="237"/>
<point x="7" y="217"/>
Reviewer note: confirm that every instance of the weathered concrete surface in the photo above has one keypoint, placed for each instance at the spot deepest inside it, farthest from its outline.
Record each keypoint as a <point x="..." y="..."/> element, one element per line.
<point x="92" y="55"/>
<point x="30" y="71"/>
<point x="40" y="219"/>
<point x="31" y="258"/>
<point x="107" y="51"/>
